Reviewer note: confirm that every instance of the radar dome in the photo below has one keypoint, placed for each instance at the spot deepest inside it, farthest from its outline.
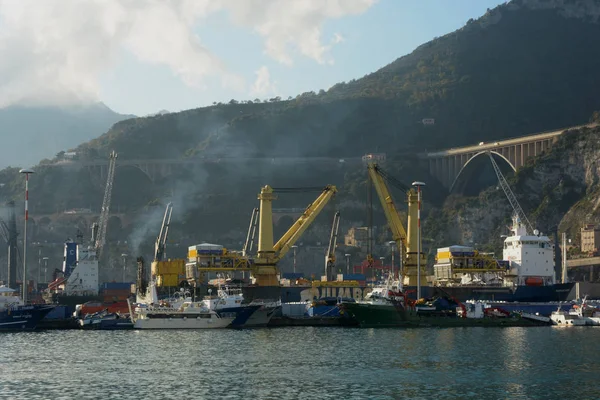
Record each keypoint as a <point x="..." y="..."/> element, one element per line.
<point x="536" y="232"/>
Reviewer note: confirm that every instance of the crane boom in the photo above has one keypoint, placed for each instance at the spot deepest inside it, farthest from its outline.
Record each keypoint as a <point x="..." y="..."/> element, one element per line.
<point x="161" y="239"/>
<point x="103" y="220"/>
<point x="389" y="208"/>
<point x="330" y="256"/>
<point x="407" y="243"/>
<point x="510" y="195"/>
<point x="251" y="232"/>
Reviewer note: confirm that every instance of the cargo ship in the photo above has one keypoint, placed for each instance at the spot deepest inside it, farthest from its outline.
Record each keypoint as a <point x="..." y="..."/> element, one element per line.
<point x="526" y="272"/>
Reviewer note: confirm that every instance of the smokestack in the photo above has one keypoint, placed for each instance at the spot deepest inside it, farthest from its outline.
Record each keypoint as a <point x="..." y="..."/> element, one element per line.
<point x="142" y="281"/>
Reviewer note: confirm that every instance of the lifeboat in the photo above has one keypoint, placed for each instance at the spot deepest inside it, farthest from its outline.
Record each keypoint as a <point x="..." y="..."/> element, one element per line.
<point x="534" y="281"/>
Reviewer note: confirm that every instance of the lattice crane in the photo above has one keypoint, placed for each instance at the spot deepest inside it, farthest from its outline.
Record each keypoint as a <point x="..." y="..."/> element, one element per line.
<point x="103" y="221"/>
<point x="510" y="195"/>
<point x="161" y="239"/>
<point x="330" y="256"/>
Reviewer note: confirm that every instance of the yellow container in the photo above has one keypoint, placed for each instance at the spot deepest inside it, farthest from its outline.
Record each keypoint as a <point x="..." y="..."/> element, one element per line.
<point x="170" y="267"/>
<point x="443" y="254"/>
<point x="167" y="280"/>
<point x="193" y="253"/>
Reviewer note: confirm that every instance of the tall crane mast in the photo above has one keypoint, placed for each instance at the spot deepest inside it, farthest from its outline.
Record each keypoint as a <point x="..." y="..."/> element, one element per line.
<point x="330" y="256"/>
<point x="103" y="220"/>
<point x="406" y="242"/>
<point x="161" y="239"/>
<point x="269" y="254"/>
<point x="510" y="195"/>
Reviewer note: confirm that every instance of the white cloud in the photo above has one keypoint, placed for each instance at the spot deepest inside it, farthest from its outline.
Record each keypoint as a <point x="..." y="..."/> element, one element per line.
<point x="262" y="85"/>
<point x="55" y="51"/>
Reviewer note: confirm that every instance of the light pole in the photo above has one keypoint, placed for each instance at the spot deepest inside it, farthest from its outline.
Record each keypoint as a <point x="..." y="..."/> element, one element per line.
<point x="27" y="172"/>
<point x="294" y="247"/>
<point x="418" y="185"/>
<point x="392" y="244"/>
<point x="381" y="259"/>
<point x="347" y="263"/>
<point x="124" y="265"/>
<point x="45" y="269"/>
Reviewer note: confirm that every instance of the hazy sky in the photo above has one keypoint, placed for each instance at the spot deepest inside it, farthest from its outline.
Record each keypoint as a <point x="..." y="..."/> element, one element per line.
<point x="142" y="56"/>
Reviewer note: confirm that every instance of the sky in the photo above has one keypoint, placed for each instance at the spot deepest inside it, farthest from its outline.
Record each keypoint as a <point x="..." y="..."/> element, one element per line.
<point x="143" y="56"/>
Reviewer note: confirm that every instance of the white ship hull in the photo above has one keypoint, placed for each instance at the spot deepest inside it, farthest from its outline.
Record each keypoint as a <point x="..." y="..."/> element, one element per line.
<point x="182" y="322"/>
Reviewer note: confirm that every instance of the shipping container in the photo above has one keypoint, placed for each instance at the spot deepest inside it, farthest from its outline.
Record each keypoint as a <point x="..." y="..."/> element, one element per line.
<point x="115" y="285"/>
<point x="168" y="267"/>
<point x="167" y="280"/>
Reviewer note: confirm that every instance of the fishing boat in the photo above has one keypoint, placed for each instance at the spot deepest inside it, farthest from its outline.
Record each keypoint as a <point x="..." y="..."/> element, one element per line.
<point x="582" y="314"/>
<point x="18" y="316"/>
<point x="191" y="315"/>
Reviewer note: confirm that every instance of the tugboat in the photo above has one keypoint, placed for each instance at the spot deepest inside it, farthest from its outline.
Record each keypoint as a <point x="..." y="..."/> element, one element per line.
<point x="17" y="316"/>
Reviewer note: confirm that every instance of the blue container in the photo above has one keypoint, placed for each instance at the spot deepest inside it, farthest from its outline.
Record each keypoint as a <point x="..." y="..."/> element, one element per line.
<point x="354" y="277"/>
<point x="116" y="285"/>
<point x="292" y="275"/>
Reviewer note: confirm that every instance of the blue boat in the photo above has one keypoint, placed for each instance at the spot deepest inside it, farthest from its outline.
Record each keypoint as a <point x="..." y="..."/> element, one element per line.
<point x="16" y="316"/>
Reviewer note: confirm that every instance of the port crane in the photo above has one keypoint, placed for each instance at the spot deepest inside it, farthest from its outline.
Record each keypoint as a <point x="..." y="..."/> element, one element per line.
<point x="161" y="239"/>
<point x="263" y="265"/>
<point x="269" y="254"/>
<point x="406" y="242"/>
<point x="101" y="226"/>
<point x="512" y="199"/>
<point x="330" y="256"/>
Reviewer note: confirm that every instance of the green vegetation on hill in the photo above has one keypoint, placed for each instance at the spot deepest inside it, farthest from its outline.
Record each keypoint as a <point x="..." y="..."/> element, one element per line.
<point x="512" y="72"/>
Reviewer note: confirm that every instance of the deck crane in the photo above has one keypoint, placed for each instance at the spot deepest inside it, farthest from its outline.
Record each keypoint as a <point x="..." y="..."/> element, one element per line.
<point x="100" y="228"/>
<point x="247" y="250"/>
<point x="269" y="254"/>
<point x="510" y="195"/>
<point x="406" y="242"/>
<point x="330" y="256"/>
<point x="161" y="239"/>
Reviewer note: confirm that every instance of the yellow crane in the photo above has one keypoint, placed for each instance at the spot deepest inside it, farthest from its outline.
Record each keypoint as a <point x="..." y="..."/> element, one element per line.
<point x="263" y="266"/>
<point x="407" y="243"/>
<point x="269" y="254"/>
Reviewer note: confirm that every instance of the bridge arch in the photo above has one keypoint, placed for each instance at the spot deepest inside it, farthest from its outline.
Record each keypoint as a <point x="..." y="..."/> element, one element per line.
<point x="485" y="152"/>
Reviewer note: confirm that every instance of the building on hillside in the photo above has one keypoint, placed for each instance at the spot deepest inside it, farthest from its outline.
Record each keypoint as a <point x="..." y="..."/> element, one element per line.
<point x="357" y="237"/>
<point x="590" y="239"/>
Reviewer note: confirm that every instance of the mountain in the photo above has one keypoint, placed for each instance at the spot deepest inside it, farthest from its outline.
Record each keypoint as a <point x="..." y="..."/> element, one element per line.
<point x="523" y="67"/>
<point x="30" y="134"/>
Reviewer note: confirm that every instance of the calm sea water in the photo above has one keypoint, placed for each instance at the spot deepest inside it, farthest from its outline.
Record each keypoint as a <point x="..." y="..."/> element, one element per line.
<point x="295" y="363"/>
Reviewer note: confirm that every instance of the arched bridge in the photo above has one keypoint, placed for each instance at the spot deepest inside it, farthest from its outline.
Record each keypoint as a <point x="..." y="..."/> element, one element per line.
<point x="448" y="165"/>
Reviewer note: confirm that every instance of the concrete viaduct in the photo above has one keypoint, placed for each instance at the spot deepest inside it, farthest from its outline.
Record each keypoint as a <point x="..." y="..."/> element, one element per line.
<point x="448" y="165"/>
<point x="161" y="168"/>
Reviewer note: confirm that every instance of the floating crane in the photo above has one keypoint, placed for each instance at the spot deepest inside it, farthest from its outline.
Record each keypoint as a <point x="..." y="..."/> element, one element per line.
<point x="407" y="243"/>
<point x="330" y="256"/>
<point x="269" y="254"/>
<point x="100" y="228"/>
